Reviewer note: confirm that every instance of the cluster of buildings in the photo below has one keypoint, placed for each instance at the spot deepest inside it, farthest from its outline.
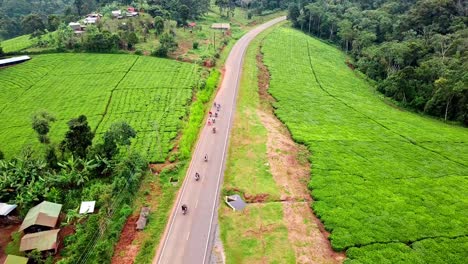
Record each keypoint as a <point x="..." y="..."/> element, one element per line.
<point x="94" y="18"/>
<point x="39" y="227"/>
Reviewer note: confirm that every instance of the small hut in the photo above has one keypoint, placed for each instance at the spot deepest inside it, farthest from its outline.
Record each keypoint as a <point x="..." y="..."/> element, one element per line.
<point x="41" y="217"/>
<point x="42" y="241"/>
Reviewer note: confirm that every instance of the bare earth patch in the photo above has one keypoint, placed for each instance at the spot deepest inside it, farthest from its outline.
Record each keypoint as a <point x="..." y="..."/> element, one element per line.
<point x="291" y="171"/>
<point x="5" y="238"/>
<point x="130" y="240"/>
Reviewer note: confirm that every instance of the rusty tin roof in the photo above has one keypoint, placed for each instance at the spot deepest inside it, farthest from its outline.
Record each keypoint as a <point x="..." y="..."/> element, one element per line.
<point x="41" y="240"/>
<point x="44" y="214"/>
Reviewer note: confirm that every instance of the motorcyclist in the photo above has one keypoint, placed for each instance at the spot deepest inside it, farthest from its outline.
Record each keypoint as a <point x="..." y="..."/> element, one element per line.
<point x="184" y="209"/>
<point x="216" y="114"/>
<point x="214" y="130"/>
<point x="197" y="176"/>
<point x="206" y="157"/>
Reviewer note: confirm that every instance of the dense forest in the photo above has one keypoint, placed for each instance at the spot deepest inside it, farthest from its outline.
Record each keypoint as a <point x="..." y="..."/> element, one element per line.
<point x="417" y="51"/>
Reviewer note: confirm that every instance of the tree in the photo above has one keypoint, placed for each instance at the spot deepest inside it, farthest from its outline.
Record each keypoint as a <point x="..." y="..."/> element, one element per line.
<point x="79" y="137"/>
<point x="119" y="134"/>
<point x="53" y="22"/>
<point x="442" y="44"/>
<point x="346" y="32"/>
<point x="294" y="13"/>
<point x="159" y="25"/>
<point x="65" y="37"/>
<point x="184" y="13"/>
<point x="51" y="157"/>
<point x="41" y="124"/>
<point x="132" y="39"/>
<point x="32" y="24"/>
<point x="167" y="44"/>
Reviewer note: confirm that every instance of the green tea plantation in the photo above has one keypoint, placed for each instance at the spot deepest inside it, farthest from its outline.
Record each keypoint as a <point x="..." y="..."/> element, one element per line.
<point x="391" y="186"/>
<point x="148" y="93"/>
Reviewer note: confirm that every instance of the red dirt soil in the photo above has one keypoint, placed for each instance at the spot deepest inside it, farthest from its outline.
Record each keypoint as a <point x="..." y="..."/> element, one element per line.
<point x="5" y="238"/>
<point x="125" y="251"/>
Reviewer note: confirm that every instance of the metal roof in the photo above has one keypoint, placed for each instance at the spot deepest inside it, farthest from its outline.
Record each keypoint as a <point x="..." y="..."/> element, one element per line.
<point x="41" y="241"/>
<point x="221" y="26"/>
<point x="235" y="202"/>
<point x="14" y="59"/>
<point x="87" y="207"/>
<point x="12" y="259"/>
<point x="44" y="214"/>
<point x="5" y="209"/>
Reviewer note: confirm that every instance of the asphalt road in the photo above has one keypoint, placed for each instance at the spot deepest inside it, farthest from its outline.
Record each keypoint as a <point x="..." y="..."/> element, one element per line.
<point x="188" y="238"/>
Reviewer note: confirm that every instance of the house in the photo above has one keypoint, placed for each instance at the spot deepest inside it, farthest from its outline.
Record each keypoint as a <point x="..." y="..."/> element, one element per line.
<point x="42" y="241"/>
<point x="13" y="60"/>
<point x="43" y="216"/>
<point x="117" y="13"/>
<point x="92" y="18"/>
<point x="12" y="259"/>
<point x="6" y="215"/>
<point x="75" y="26"/>
<point x="131" y="12"/>
<point x="6" y="209"/>
<point x="222" y="26"/>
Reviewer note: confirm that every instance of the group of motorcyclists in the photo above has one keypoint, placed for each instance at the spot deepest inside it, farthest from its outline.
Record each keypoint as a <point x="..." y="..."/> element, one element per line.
<point x="211" y="120"/>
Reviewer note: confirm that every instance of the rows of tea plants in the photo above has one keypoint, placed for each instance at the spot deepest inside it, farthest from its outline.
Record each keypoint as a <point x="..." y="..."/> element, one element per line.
<point x="148" y="93"/>
<point x="379" y="175"/>
<point x="17" y="44"/>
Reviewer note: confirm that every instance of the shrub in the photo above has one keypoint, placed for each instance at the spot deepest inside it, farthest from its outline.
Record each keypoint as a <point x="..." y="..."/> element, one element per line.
<point x="195" y="45"/>
<point x="160" y="52"/>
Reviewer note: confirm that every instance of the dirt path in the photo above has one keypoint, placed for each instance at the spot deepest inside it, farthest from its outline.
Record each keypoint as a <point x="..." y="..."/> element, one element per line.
<point x="130" y="240"/>
<point x="291" y="170"/>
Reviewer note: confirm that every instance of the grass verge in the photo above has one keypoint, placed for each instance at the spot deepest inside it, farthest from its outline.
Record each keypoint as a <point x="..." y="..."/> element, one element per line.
<point x="258" y="233"/>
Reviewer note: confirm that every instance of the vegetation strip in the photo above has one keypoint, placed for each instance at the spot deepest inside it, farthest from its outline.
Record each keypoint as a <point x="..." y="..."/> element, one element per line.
<point x="257" y="151"/>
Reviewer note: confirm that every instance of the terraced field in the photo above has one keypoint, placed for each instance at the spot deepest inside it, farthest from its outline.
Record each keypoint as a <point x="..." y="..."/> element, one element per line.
<point x="148" y="93"/>
<point x="391" y="186"/>
<point x="17" y="44"/>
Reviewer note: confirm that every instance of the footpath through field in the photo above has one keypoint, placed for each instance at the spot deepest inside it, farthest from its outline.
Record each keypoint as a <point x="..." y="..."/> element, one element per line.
<point x="188" y="238"/>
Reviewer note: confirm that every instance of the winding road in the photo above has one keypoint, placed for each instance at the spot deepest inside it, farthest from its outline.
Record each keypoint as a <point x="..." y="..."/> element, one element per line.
<point x="189" y="238"/>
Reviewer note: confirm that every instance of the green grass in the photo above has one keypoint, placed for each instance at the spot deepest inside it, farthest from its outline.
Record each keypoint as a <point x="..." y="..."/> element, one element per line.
<point x="150" y="94"/>
<point x="379" y="174"/>
<point x="247" y="168"/>
<point x="165" y="195"/>
<point x="258" y="233"/>
<point x="17" y="44"/>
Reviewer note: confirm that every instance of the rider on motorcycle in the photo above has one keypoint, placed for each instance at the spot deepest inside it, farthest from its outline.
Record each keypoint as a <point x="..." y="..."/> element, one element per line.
<point x="206" y="157"/>
<point x="184" y="208"/>
<point x="197" y="176"/>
